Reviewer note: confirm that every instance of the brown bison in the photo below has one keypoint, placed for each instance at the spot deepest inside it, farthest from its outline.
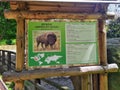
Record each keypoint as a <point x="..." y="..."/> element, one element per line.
<point x="46" y="39"/>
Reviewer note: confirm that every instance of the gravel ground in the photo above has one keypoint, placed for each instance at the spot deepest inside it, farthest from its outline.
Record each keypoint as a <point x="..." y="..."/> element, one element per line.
<point x="63" y="81"/>
<point x="60" y="81"/>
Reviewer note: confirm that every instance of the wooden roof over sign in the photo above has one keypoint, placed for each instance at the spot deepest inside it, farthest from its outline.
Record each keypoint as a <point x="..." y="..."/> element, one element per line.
<point x="67" y="7"/>
<point x="47" y="9"/>
<point x="84" y="1"/>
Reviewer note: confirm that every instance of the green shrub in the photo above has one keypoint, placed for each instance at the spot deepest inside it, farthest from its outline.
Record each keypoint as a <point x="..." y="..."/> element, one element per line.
<point x="113" y="56"/>
<point x="114" y="28"/>
<point x="9" y="42"/>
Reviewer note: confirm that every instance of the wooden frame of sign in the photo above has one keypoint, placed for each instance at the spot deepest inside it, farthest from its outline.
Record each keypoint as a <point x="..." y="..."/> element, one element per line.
<point x="70" y="11"/>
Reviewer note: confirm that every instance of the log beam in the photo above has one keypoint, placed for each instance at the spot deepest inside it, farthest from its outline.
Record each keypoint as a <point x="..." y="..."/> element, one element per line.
<point x="11" y="14"/>
<point x="45" y="72"/>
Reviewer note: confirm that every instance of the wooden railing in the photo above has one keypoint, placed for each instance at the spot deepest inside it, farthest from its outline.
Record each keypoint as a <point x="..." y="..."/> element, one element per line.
<point x="7" y="59"/>
<point x="7" y="63"/>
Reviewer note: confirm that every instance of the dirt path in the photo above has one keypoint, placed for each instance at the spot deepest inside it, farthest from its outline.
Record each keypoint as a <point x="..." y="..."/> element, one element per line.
<point x="8" y="47"/>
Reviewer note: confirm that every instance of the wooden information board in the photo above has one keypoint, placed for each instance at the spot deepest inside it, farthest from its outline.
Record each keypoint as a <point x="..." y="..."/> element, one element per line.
<point x="62" y="43"/>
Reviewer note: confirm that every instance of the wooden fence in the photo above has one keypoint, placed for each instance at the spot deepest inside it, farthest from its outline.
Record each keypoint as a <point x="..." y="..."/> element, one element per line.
<point x="7" y="63"/>
<point x="7" y="60"/>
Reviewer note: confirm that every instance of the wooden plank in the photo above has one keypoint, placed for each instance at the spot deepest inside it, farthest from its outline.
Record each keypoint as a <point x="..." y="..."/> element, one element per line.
<point x="95" y="82"/>
<point x="46" y="72"/>
<point x="61" y="9"/>
<point x="0" y="56"/>
<point x="85" y="5"/>
<point x="13" y="5"/>
<point x="3" y="58"/>
<point x="53" y="4"/>
<point x="86" y="82"/>
<point x="90" y="83"/>
<point x="81" y="1"/>
<point x="9" y="60"/>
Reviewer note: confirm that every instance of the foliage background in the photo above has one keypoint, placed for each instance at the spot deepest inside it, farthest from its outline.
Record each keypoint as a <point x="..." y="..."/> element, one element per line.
<point x="7" y="27"/>
<point x="114" y="28"/>
<point x="113" y="53"/>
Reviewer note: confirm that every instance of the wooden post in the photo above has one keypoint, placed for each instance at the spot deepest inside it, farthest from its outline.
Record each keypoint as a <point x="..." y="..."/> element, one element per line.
<point x="86" y="82"/>
<point x="103" y="54"/>
<point x="0" y="56"/>
<point x="3" y="58"/>
<point x="19" y="85"/>
<point x="20" y="50"/>
<point x="20" y="46"/>
<point x="95" y="82"/>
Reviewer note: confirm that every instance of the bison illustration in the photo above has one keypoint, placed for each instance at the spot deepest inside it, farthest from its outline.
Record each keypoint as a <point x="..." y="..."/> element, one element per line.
<point x="46" y="39"/>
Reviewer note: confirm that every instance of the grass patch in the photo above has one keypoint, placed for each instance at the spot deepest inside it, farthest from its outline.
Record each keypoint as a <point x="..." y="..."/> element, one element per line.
<point x="113" y="54"/>
<point x="114" y="81"/>
<point x="14" y="41"/>
<point x="8" y="42"/>
<point x="2" y="42"/>
<point x="10" y="85"/>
